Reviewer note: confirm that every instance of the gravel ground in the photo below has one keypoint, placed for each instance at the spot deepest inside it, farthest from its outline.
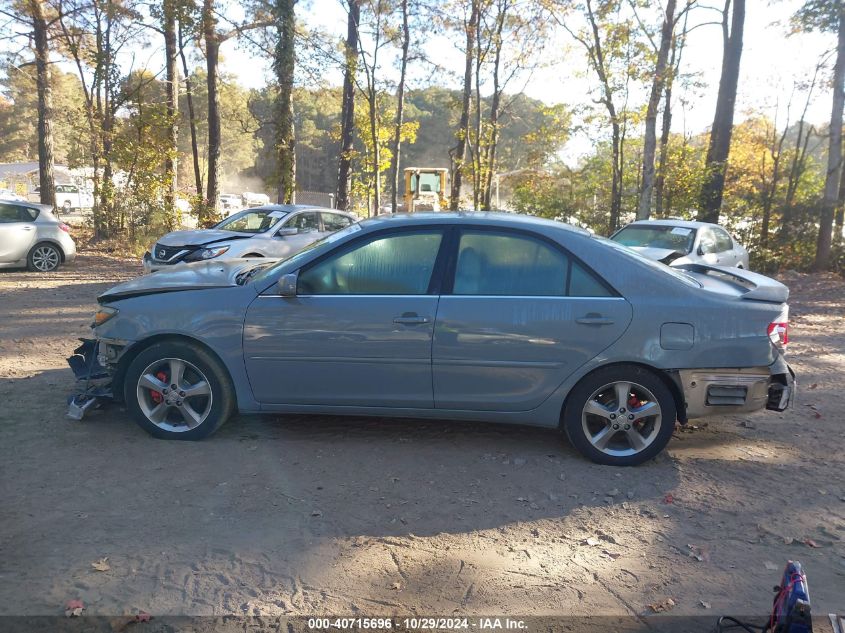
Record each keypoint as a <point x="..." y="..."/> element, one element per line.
<point x="323" y="515"/>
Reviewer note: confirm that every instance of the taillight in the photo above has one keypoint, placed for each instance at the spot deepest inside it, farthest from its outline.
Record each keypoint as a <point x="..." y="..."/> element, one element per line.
<point x="779" y="333"/>
<point x="64" y="227"/>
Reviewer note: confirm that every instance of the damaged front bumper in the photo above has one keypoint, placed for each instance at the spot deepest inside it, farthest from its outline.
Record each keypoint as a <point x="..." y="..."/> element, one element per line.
<point x="722" y="391"/>
<point x="89" y="365"/>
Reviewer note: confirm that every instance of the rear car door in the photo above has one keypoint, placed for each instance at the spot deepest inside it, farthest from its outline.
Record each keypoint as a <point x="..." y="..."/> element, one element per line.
<point x="17" y="232"/>
<point x="359" y="330"/>
<point x="521" y="315"/>
<point x="334" y="222"/>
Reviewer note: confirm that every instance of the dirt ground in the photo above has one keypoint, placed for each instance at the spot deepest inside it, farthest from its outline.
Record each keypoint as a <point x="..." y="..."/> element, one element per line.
<point x="316" y="515"/>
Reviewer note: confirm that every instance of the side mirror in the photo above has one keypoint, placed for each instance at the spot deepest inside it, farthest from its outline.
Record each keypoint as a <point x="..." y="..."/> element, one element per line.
<point x="287" y="285"/>
<point x="288" y="230"/>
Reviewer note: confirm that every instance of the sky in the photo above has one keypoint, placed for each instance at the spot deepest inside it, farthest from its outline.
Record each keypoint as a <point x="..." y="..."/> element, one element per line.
<point x="771" y="64"/>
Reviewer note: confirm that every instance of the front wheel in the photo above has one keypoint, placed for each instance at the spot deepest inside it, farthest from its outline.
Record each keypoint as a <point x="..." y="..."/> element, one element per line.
<point x="177" y="390"/>
<point x="620" y="416"/>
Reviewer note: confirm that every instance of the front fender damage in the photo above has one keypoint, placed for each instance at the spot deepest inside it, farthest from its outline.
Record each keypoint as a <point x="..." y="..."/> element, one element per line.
<point x="90" y="365"/>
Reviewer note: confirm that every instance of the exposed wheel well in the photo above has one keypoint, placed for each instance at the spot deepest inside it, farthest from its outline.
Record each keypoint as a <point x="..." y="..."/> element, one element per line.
<point x="669" y="378"/>
<point x="133" y="351"/>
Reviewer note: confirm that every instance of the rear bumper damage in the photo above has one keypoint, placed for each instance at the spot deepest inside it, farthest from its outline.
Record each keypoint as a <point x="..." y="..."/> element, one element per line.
<point x="731" y="390"/>
<point x="89" y="368"/>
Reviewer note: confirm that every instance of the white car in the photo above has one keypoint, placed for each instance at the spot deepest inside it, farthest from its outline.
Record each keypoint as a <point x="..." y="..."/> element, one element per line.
<point x="273" y="230"/>
<point x="231" y="202"/>
<point x="679" y="242"/>
<point x="68" y="197"/>
<point x="8" y="194"/>
<point x="252" y="199"/>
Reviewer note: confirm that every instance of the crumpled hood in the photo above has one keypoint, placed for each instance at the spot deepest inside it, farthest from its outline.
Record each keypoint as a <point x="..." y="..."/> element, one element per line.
<point x="657" y="254"/>
<point x="194" y="276"/>
<point x="198" y="237"/>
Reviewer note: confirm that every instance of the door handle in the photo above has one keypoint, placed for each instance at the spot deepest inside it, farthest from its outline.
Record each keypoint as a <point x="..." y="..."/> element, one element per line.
<point x="409" y="318"/>
<point x="594" y="319"/>
<point x="26" y="228"/>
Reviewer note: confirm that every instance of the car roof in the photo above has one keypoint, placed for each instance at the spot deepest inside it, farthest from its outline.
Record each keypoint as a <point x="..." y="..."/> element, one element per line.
<point x="669" y="222"/>
<point x="491" y="218"/>
<point x="290" y="208"/>
<point x="24" y="203"/>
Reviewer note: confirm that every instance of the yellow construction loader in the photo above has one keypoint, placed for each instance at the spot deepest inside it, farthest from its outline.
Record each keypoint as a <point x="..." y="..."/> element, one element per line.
<point x="425" y="189"/>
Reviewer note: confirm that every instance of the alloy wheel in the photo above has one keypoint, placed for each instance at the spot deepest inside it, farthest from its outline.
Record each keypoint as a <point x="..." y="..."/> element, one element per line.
<point x="174" y="395"/>
<point x="45" y="258"/>
<point x="621" y="418"/>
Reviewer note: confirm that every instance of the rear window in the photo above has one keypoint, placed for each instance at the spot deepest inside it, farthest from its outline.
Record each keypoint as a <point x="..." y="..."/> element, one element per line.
<point x="677" y="238"/>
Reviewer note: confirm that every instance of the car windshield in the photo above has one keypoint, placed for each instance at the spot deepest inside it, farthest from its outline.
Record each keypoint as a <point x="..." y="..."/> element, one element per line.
<point x="676" y="238"/>
<point x="252" y="221"/>
<point x="323" y="244"/>
<point x="677" y="274"/>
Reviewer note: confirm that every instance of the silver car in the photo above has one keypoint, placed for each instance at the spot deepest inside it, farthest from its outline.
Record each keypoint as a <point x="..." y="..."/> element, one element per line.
<point x="678" y="242"/>
<point x="31" y="236"/>
<point x="273" y="230"/>
<point x="459" y="316"/>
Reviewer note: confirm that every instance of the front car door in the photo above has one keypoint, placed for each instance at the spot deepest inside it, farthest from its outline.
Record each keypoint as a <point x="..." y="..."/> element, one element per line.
<point x="359" y="330"/>
<point x="17" y="232"/>
<point x="521" y="316"/>
<point x="294" y="234"/>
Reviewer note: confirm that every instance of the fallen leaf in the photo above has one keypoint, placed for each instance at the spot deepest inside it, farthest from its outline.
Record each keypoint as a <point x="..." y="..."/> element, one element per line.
<point x="669" y="498"/>
<point x="592" y="541"/>
<point x="74" y="608"/>
<point x="811" y="543"/>
<point x="817" y="415"/>
<point x="101" y="565"/>
<point x="612" y="555"/>
<point x="316" y="513"/>
<point x="665" y="605"/>
<point x="813" y="386"/>
<point x="706" y="605"/>
<point x="770" y="565"/>
<point x="397" y="586"/>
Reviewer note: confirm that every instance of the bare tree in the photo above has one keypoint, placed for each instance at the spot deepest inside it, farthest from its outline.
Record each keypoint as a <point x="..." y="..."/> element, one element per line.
<point x="47" y="187"/>
<point x="171" y="52"/>
<point x="192" y="119"/>
<point x="661" y="68"/>
<point x="400" y="108"/>
<point x="459" y="152"/>
<point x="710" y="199"/>
<point x="344" y="176"/>
<point x="834" y="151"/>
<point x="284" y="65"/>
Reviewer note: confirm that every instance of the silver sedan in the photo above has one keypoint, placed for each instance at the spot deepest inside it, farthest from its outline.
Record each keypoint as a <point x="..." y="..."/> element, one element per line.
<point x="31" y="236"/>
<point x="458" y="316"/>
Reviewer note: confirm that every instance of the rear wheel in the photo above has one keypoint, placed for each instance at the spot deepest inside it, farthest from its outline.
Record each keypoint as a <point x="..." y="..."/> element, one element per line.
<point x="44" y="258"/>
<point x="620" y="416"/>
<point x="177" y="390"/>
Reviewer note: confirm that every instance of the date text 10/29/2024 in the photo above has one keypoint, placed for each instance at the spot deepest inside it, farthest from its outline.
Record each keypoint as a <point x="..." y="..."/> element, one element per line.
<point x="418" y="624"/>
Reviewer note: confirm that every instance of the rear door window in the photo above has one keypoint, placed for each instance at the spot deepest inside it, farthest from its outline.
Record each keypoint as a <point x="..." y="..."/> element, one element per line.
<point x="308" y="222"/>
<point x="9" y="213"/>
<point x="335" y="221"/>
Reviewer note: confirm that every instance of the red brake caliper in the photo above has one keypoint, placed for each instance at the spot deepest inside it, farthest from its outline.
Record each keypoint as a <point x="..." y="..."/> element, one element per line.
<point x="635" y="403"/>
<point x="155" y="395"/>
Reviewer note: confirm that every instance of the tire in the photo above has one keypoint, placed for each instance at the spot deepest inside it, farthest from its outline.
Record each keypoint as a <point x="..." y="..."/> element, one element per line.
<point x="44" y="258"/>
<point x="593" y="408"/>
<point x="171" y="414"/>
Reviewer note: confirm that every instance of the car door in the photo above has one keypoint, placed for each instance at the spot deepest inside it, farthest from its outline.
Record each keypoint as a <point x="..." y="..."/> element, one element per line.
<point x="17" y="233"/>
<point x="521" y="315"/>
<point x="334" y="222"/>
<point x="725" y="253"/>
<point x="357" y="333"/>
<point x="294" y="234"/>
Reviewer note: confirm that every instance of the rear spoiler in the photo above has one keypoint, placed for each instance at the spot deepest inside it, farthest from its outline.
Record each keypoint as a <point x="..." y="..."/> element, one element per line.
<point x="757" y="287"/>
